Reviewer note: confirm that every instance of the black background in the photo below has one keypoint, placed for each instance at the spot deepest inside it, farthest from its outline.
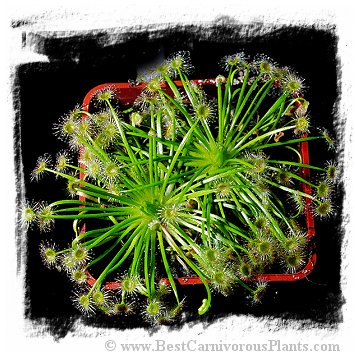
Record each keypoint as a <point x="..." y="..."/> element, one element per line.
<point x="45" y="91"/>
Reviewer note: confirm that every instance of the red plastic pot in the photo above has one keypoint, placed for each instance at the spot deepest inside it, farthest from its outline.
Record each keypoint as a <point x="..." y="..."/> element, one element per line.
<point x="126" y="94"/>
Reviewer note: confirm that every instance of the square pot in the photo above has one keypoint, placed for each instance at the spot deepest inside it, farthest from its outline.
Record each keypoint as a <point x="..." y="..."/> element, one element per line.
<point x="126" y="94"/>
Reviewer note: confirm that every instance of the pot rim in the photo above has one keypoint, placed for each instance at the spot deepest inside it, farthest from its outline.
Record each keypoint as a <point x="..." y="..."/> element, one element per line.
<point x="127" y="92"/>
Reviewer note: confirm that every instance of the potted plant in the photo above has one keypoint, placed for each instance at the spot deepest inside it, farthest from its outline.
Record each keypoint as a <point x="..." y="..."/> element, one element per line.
<point x="186" y="181"/>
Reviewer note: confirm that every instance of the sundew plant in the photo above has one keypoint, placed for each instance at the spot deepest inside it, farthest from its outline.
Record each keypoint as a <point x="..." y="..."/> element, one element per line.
<point x="200" y="178"/>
